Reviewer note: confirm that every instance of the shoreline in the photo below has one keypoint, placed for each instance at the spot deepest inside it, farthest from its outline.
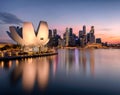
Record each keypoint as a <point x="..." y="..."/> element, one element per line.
<point x="89" y="48"/>
<point x="26" y="56"/>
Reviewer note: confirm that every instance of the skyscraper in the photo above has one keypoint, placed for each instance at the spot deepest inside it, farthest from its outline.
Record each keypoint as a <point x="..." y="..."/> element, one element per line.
<point x="82" y="36"/>
<point x="92" y="29"/>
<point x="70" y="31"/>
<point x="50" y="33"/>
<point x="98" y="40"/>
<point x="84" y="30"/>
<point x="91" y="36"/>
<point x="54" y="32"/>
<point x="67" y="36"/>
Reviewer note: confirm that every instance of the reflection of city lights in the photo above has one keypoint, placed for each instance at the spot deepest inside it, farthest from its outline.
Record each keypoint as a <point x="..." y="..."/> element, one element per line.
<point x="30" y="69"/>
<point x="9" y="64"/>
<point x="28" y="77"/>
<point x="54" y="68"/>
<point x="2" y="64"/>
<point x="43" y="73"/>
<point x="2" y="54"/>
<point x="92" y="61"/>
<point x="53" y="60"/>
<point x="30" y="60"/>
<point x="54" y="64"/>
<point x="76" y="56"/>
<point x="17" y="62"/>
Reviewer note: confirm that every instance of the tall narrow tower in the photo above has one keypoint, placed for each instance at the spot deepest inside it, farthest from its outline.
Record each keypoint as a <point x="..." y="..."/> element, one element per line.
<point x="92" y="29"/>
<point x="67" y="36"/>
<point x="84" y="30"/>
<point x="92" y="36"/>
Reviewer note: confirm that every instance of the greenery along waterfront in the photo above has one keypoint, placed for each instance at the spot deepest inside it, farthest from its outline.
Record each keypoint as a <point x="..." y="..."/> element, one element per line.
<point x="13" y="51"/>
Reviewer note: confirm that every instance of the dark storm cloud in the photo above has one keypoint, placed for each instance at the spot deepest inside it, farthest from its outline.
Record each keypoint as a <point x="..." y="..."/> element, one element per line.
<point x="8" y="18"/>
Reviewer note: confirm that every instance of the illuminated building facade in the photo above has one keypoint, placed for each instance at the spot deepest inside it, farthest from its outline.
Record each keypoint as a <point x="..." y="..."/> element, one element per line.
<point x="82" y="36"/>
<point x="98" y="40"/>
<point x="69" y="37"/>
<point x="91" y="36"/>
<point x="28" y="37"/>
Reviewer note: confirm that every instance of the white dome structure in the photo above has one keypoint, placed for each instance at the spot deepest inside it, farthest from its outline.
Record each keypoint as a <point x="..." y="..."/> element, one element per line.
<point x="27" y="36"/>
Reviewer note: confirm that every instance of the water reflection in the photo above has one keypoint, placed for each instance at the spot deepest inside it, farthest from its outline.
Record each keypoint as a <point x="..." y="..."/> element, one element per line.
<point x="77" y="61"/>
<point x="71" y="70"/>
<point x="43" y="73"/>
<point x="6" y="64"/>
<point x="82" y="60"/>
<point x="2" y="64"/>
<point x="28" y="74"/>
<point x="92" y="61"/>
<point x="32" y="70"/>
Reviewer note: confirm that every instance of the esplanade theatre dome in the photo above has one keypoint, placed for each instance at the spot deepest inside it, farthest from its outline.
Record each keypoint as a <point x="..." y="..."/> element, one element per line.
<point x="27" y="36"/>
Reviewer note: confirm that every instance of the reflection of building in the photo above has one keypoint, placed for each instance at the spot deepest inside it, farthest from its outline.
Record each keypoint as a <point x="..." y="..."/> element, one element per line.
<point x="83" y="60"/>
<point x="6" y="64"/>
<point x="77" y="61"/>
<point x="30" y="69"/>
<point x="71" y="60"/>
<point x="43" y="73"/>
<point x="91" y="52"/>
<point x="28" y="37"/>
<point x="1" y="64"/>
<point x="87" y="61"/>
<point x="28" y="75"/>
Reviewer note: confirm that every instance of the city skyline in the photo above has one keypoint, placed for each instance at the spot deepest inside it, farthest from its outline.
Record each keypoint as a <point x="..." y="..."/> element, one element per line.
<point x="59" y="14"/>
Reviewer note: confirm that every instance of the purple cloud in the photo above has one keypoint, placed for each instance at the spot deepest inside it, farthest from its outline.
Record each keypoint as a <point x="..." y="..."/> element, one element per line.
<point x="8" y="18"/>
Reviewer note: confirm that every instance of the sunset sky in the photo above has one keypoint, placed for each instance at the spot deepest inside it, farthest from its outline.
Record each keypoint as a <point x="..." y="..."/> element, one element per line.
<point x="104" y="15"/>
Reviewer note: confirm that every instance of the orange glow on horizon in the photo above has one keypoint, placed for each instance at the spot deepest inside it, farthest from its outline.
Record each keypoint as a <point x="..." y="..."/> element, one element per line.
<point x="109" y="38"/>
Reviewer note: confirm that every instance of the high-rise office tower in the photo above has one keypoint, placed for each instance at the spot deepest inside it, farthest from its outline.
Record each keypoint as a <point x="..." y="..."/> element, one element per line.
<point x="70" y="31"/>
<point x="50" y="33"/>
<point x="66" y="37"/>
<point x="54" y="32"/>
<point x="84" y="30"/>
<point x="80" y="34"/>
<point x="91" y="36"/>
<point x="98" y="40"/>
<point x="92" y="29"/>
<point x="88" y="37"/>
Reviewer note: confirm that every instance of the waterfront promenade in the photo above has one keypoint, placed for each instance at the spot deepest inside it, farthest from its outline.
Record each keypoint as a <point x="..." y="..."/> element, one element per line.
<point x="27" y="56"/>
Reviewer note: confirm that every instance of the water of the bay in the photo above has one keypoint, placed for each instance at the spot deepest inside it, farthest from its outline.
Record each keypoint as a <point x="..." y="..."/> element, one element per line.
<point x="71" y="72"/>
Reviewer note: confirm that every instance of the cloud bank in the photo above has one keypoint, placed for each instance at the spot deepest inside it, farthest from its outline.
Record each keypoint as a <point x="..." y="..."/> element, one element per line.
<point x="105" y="29"/>
<point x="8" y="18"/>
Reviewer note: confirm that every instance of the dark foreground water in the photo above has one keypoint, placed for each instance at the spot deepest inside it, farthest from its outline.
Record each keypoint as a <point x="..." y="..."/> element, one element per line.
<point x="71" y="72"/>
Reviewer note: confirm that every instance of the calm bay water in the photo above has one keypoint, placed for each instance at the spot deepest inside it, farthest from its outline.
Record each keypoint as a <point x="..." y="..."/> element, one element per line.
<point x="71" y="72"/>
